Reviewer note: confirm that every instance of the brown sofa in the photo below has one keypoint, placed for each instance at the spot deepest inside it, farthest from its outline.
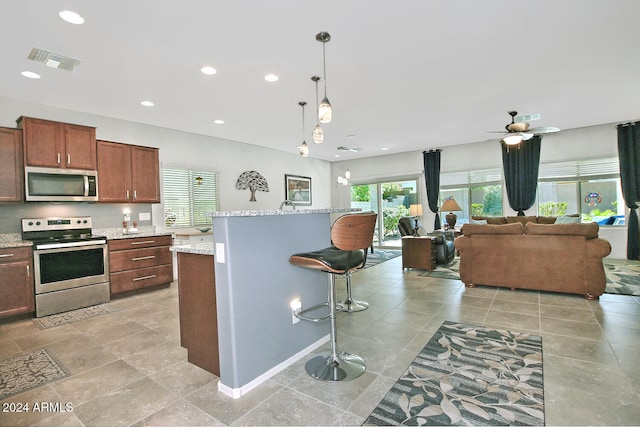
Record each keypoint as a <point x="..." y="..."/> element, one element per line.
<point x="547" y="257"/>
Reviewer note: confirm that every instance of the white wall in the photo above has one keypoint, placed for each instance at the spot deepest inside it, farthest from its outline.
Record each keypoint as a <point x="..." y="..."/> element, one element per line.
<point x="189" y="150"/>
<point x="572" y="144"/>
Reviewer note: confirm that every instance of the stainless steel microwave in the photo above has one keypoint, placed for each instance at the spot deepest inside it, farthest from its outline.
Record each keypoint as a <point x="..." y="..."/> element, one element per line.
<point x="60" y="185"/>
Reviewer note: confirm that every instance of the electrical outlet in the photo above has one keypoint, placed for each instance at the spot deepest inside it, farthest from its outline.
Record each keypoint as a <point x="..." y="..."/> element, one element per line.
<point x="296" y="307"/>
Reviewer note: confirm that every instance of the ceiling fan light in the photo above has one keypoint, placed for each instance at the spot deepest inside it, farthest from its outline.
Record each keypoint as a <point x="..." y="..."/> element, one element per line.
<point x="318" y="135"/>
<point x="325" y="111"/>
<point x="512" y="139"/>
<point x="347" y="175"/>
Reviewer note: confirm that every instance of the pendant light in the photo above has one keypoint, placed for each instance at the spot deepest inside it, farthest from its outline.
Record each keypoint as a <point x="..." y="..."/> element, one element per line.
<point x="325" y="111"/>
<point x="318" y="133"/>
<point x="303" y="148"/>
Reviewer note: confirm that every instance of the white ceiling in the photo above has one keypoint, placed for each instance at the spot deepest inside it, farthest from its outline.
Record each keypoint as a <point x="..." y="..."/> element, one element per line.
<point x="403" y="75"/>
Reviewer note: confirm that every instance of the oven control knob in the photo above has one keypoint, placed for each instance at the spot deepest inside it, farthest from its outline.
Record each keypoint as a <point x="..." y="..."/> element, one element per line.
<point x="37" y="222"/>
<point x="84" y="221"/>
<point x="30" y="223"/>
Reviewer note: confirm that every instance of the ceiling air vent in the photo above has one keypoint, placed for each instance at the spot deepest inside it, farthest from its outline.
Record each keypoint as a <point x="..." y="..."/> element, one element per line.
<point x="354" y="149"/>
<point x="53" y="60"/>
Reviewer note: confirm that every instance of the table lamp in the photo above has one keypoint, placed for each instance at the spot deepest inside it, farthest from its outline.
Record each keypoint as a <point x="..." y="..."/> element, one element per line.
<point x="451" y="205"/>
<point x="415" y="211"/>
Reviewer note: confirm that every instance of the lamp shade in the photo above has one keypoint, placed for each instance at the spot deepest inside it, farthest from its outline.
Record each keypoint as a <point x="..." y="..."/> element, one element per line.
<point x="415" y="210"/>
<point x="450" y="205"/>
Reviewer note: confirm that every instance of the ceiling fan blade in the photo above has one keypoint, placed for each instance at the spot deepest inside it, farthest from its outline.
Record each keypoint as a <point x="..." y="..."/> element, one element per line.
<point x="544" y="129"/>
<point x="526" y="135"/>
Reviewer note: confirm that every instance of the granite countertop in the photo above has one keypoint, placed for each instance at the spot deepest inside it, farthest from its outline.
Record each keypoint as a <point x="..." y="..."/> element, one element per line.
<point x="205" y="248"/>
<point x="116" y="233"/>
<point x="274" y="212"/>
<point x="13" y="240"/>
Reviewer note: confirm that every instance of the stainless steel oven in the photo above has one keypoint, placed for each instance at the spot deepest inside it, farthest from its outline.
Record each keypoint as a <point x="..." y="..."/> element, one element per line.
<point x="71" y="266"/>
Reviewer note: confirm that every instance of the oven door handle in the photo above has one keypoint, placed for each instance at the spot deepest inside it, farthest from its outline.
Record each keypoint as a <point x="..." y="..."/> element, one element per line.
<point x="85" y="243"/>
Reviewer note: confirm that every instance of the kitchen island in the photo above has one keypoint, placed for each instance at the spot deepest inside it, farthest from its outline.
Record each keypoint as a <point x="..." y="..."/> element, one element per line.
<point x="254" y="287"/>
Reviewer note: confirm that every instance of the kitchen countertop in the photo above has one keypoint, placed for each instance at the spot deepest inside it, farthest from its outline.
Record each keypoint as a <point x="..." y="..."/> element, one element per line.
<point x="205" y="248"/>
<point x="13" y="240"/>
<point x="272" y="212"/>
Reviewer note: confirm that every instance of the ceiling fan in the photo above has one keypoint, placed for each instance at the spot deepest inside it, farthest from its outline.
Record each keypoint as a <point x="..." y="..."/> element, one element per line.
<point x="520" y="131"/>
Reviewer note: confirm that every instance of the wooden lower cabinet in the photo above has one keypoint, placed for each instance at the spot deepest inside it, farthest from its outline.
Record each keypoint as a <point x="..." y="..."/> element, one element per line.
<point x="16" y="281"/>
<point x="138" y="263"/>
<point x="198" y="312"/>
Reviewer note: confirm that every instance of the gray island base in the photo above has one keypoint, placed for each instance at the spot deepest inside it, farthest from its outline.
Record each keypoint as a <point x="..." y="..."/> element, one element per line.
<point x="255" y="285"/>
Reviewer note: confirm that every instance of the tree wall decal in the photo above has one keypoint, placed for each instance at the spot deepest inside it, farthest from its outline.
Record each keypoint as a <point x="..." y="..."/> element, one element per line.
<point x="253" y="181"/>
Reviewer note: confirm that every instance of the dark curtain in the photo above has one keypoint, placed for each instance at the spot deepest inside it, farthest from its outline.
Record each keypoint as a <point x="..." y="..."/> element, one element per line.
<point x="432" y="178"/>
<point x="521" y="165"/>
<point x="629" y="155"/>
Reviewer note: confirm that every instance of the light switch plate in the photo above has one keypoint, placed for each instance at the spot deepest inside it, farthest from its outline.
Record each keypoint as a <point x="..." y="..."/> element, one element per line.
<point x="220" y="253"/>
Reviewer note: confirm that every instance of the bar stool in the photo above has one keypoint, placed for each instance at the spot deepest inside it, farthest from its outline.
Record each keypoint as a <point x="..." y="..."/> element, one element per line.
<point x="351" y="235"/>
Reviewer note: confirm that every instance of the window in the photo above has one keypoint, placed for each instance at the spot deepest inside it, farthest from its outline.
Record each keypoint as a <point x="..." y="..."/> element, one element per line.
<point x="590" y="188"/>
<point x="479" y="193"/>
<point x="188" y="195"/>
<point x="391" y="198"/>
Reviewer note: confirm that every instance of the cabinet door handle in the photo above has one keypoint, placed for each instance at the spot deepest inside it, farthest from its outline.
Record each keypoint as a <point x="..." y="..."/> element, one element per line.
<point x="144" y="278"/>
<point x="58" y="158"/>
<point x="28" y="271"/>
<point x="144" y="242"/>
<point x="140" y="258"/>
<point x="135" y="194"/>
<point x="6" y="255"/>
<point x="68" y="159"/>
<point x="127" y="194"/>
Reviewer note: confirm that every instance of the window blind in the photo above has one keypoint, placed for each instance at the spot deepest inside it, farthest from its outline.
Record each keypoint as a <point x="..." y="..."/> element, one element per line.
<point x="606" y="167"/>
<point x="188" y="195"/>
<point x="481" y="176"/>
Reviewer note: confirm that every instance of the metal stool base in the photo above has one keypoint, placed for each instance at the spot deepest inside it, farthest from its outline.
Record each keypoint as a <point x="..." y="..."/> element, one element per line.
<point x="351" y="306"/>
<point x="340" y="367"/>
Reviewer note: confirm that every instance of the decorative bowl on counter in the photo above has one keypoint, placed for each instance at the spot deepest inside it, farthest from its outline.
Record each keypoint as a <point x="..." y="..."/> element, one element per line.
<point x="203" y="230"/>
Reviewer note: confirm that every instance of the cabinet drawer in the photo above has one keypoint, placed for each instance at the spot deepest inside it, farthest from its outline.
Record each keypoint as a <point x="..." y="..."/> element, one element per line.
<point x="143" y="277"/>
<point x="139" y="258"/>
<point x="15" y="254"/>
<point x="139" y="242"/>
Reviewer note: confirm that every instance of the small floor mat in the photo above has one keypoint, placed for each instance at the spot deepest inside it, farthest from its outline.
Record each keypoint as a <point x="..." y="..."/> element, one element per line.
<point x="28" y="371"/>
<point x="73" y="316"/>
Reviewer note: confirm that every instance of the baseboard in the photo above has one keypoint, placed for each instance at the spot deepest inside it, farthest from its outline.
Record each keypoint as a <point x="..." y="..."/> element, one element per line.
<point x="238" y="392"/>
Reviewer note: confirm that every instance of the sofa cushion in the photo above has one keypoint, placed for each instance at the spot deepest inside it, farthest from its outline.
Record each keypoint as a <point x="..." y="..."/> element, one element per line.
<point x="588" y="230"/>
<point x="568" y="219"/>
<point x="497" y="220"/>
<point x="546" y="220"/>
<point x="521" y="219"/>
<point x="471" y="229"/>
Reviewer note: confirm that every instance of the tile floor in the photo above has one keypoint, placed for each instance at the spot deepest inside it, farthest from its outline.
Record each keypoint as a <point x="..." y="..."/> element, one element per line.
<point x="127" y="368"/>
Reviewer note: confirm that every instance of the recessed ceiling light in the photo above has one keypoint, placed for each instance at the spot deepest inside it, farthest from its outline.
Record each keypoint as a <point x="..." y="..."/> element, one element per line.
<point x="147" y="103"/>
<point x="71" y="17"/>
<point x="30" y="74"/>
<point x="337" y="155"/>
<point x="384" y="148"/>
<point x="271" y="78"/>
<point x="218" y="122"/>
<point x="208" y="70"/>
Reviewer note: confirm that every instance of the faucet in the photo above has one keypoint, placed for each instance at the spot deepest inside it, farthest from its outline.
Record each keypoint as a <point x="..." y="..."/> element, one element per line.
<point x="288" y="202"/>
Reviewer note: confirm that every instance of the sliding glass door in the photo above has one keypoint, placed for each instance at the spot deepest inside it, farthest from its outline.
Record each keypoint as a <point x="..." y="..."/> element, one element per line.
<point x="391" y="200"/>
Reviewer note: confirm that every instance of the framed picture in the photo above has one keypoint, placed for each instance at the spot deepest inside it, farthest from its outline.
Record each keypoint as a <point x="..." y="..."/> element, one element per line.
<point x="298" y="189"/>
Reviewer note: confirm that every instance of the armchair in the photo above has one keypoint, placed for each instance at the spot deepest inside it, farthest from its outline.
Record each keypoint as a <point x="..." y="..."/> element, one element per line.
<point x="445" y="249"/>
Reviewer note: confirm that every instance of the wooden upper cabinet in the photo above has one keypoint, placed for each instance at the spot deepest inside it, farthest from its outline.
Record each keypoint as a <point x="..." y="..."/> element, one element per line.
<point x="145" y="174"/>
<point x="128" y="173"/>
<point x="11" y="165"/>
<point x="58" y="145"/>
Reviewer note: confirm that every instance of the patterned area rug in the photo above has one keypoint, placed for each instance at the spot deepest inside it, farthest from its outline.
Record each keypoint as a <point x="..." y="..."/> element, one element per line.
<point x="73" y="316"/>
<point x="22" y="373"/>
<point x="469" y="375"/>
<point x="381" y="255"/>
<point x="622" y="279"/>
